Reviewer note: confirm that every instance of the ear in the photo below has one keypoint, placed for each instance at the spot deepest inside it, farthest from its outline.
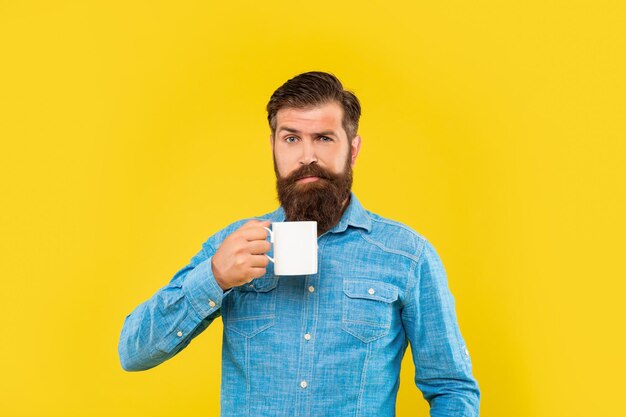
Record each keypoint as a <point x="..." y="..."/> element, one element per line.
<point x="272" y="142"/>
<point x="355" y="147"/>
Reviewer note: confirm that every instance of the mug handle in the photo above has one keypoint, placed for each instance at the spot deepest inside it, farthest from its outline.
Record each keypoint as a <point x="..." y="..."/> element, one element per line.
<point x="271" y="241"/>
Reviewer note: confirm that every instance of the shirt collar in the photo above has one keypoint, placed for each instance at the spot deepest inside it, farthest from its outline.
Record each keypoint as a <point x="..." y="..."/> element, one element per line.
<point x="355" y="215"/>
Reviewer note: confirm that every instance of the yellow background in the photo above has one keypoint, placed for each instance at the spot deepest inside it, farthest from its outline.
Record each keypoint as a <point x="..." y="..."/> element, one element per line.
<point x="131" y="131"/>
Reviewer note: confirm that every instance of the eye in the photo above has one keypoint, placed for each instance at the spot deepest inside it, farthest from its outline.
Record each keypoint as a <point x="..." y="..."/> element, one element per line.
<point x="325" y="139"/>
<point x="291" y="139"/>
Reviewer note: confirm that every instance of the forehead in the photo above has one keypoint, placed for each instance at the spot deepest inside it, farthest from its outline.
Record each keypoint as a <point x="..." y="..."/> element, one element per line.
<point x="311" y="119"/>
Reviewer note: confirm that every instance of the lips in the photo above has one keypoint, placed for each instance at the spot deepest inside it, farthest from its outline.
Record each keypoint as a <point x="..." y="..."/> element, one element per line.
<point x="305" y="180"/>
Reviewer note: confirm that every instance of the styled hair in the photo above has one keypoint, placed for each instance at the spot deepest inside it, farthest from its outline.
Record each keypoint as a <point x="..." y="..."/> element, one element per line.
<point x="312" y="89"/>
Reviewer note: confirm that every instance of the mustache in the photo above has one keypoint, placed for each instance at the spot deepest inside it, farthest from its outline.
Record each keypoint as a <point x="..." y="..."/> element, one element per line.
<point x="309" y="170"/>
<point x="321" y="201"/>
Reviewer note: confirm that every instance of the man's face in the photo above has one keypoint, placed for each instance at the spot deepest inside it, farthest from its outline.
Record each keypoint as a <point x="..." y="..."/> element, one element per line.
<point x="315" y="135"/>
<point x="313" y="160"/>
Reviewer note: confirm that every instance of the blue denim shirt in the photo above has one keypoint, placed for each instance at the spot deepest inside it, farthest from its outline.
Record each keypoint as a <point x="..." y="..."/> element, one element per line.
<point x="324" y="344"/>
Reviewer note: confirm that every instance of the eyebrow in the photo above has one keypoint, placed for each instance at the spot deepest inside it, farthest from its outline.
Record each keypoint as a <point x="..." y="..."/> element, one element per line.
<point x="324" y="133"/>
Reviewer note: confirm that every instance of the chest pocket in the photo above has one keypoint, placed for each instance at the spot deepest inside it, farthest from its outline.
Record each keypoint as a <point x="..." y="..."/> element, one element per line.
<point x="367" y="308"/>
<point x="252" y="307"/>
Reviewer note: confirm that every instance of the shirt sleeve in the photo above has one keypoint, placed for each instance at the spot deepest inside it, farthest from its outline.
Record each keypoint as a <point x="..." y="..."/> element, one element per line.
<point x="443" y="370"/>
<point x="162" y="326"/>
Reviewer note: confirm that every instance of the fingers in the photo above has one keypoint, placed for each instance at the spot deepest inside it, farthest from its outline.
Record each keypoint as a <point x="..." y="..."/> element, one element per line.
<point x="259" y="247"/>
<point x="257" y="272"/>
<point x="255" y="224"/>
<point x="258" y="261"/>
<point x="241" y="255"/>
<point x="254" y="230"/>
<point x="253" y="233"/>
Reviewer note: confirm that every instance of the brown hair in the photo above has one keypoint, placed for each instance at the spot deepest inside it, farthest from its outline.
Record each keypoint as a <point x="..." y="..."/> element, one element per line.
<point x="312" y="89"/>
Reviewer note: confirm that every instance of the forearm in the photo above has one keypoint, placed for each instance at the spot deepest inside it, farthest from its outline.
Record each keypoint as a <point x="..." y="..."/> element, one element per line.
<point x="165" y="324"/>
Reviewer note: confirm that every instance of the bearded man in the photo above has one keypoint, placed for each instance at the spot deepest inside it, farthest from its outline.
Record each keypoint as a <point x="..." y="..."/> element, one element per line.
<point x="329" y="343"/>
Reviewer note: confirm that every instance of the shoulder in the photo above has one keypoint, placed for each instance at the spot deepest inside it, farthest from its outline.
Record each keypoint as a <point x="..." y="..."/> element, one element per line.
<point x="396" y="237"/>
<point x="399" y="239"/>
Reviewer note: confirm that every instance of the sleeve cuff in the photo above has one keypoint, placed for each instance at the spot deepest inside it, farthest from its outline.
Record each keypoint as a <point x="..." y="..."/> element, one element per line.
<point x="202" y="291"/>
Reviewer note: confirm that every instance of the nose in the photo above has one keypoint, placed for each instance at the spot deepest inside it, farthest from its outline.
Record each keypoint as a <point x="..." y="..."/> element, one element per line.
<point x="308" y="153"/>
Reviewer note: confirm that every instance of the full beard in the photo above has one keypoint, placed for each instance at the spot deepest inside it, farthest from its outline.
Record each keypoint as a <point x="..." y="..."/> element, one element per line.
<point x="323" y="201"/>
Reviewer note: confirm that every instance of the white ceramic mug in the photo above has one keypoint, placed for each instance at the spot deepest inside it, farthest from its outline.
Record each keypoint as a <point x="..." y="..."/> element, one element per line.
<point x="295" y="248"/>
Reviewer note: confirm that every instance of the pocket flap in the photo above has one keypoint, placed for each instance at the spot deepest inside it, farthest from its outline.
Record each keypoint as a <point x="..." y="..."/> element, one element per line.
<point x="263" y="284"/>
<point x="370" y="290"/>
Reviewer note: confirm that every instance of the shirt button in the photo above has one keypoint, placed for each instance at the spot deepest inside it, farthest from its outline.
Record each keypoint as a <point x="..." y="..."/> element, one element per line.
<point x="211" y="303"/>
<point x="179" y="334"/>
<point x="371" y="291"/>
<point x="307" y="337"/>
<point x="311" y="288"/>
<point x="303" y="384"/>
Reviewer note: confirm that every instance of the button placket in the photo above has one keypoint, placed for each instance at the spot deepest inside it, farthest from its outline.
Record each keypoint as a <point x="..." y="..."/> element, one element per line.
<point x="310" y="312"/>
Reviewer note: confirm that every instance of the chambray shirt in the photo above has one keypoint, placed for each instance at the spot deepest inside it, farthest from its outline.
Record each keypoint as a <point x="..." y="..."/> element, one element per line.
<point x="328" y="344"/>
